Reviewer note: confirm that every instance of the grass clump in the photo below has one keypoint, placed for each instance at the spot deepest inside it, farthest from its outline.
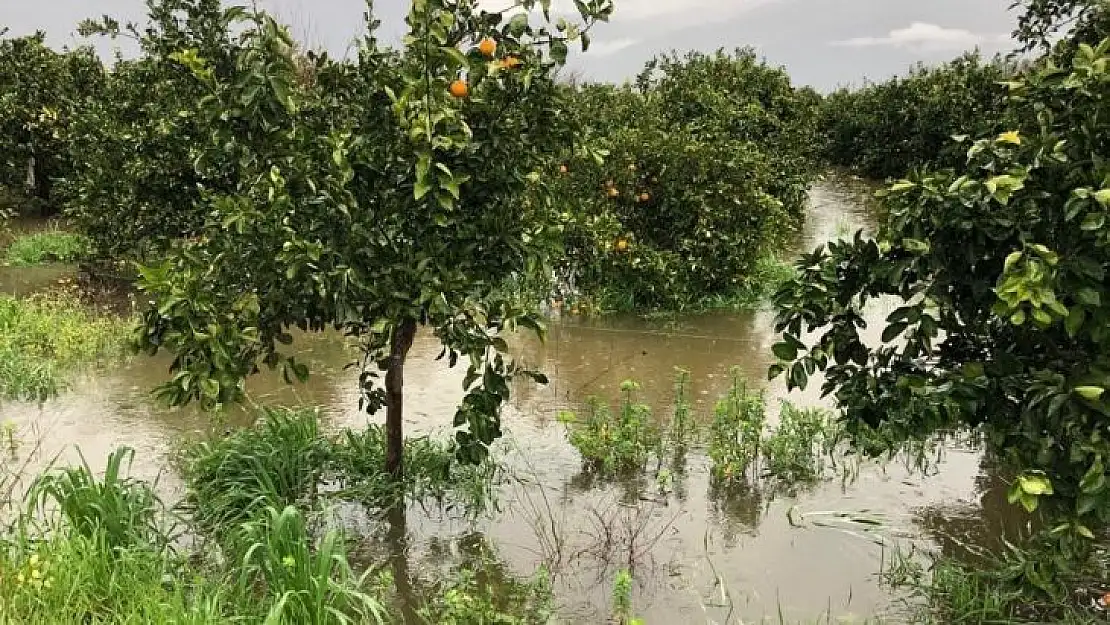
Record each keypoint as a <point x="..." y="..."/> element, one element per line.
<point x="116" y="509"/>
<point x="944" y="589"/>
<point x="93" y="549"/>
<point x="44" y="338"/>
<point x="51" y="246"/>
<point x="306" y="582"/>
<point x="276" y="463"/>
<point x="285" y="459"/>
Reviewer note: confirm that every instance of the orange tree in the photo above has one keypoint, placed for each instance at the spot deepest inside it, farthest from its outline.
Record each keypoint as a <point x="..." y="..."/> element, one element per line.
<point x="138" y="189"/>
<point x="376" y="208"/>
<point x="1000" y="270"/>
<point x="694" y="174"/>
<point x="40" y="91"/>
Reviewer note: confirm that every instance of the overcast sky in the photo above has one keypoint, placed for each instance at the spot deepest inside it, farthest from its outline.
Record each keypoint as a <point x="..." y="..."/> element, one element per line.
<point x="824" y="43"/>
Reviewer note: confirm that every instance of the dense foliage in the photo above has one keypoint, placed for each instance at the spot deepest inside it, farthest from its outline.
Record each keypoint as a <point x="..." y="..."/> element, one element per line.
<point x="406" y="201"/>
<point x="707" y="160"/>
<point x="41" y="91"/>
<point x="887" y="129"/>
<point x="139" y="188"/>
<point x="1001" y="273"/>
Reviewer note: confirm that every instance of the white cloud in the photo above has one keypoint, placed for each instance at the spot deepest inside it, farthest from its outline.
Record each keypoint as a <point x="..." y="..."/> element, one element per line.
<point x="605" y="48"/>
<point x="921" y="35"/>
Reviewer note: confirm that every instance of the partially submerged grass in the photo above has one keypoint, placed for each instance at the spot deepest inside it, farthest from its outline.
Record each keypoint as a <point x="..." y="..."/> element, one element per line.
<point x="49" y="246"/>
<point x="285" y="459"/>
<point x="45" y="338"/>
<point x="943" y="590"/>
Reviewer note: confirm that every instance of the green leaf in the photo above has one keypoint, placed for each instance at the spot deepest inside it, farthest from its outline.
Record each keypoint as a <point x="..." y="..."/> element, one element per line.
<point x="1036" y="485"/>
<point x="1102" y="196"/>
<point x="421" y="189"/>
<point x="784" y="351"/>
<point x="1093" y="221"/>
<point x="518" y="25"/>
<point x="893" y="331"/>
<point x="1090" y="393"/>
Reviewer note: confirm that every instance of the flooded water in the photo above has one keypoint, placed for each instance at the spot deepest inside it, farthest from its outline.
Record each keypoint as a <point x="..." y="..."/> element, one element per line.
<point x="697" y="557"/>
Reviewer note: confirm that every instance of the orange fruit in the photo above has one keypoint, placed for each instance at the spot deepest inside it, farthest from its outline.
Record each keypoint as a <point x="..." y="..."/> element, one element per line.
<point x="460" y="89"/>
<point x="511" y="62"/>
<point x="644" y="197"/>
<point x="488" y="47"/>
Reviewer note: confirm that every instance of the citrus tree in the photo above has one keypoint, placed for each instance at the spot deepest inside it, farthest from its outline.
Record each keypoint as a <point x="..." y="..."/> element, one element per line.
<point x="886" y="129"/>
<point x="406" y="199"/>
<point x="693" y="174"/>
<point x="138" y="188"/>
<point x="1000" y="269"/>
<point x="41" y="90"/>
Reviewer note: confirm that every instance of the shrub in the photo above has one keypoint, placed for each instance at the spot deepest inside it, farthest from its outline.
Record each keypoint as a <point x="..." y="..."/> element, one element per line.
<point x="41" y="91"/>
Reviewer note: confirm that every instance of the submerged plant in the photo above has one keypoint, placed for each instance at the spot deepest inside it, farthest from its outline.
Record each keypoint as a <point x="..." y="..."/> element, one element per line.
<point x="45" y="337"/>
<point x="684" y="429"/>
<point x="736" y="433"/>
<point x="615" y="443"/>
<point x="796" y="450"/>
<point x="622" y="600"/>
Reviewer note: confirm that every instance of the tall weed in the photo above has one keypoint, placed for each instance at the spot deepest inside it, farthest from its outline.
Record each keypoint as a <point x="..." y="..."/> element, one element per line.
<point x="615" y="443"/>
<point x="306" y="582"/>
<point x="735" y="436"/>
<point x="117" y="509"/>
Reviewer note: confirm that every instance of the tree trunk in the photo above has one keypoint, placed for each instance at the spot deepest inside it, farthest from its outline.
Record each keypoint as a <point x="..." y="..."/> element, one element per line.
<point x="403" y="335"/>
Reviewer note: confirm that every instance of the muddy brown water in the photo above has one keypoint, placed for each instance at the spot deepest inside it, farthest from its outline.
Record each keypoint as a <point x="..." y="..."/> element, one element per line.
<point x="697" y="556"/>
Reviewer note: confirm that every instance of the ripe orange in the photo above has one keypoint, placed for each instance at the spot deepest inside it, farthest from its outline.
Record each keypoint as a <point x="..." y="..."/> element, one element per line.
<point x="488" y="47"/>
<point x="460" y="89"/>
<point x="511" y="62"/>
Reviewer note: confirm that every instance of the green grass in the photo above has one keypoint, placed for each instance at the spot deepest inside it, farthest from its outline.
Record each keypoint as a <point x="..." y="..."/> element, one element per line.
<point x="944" y="590"/>
<point x="285" y="459"/>
<point x="50" y="246"/>
<point x="46" y="338"/>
